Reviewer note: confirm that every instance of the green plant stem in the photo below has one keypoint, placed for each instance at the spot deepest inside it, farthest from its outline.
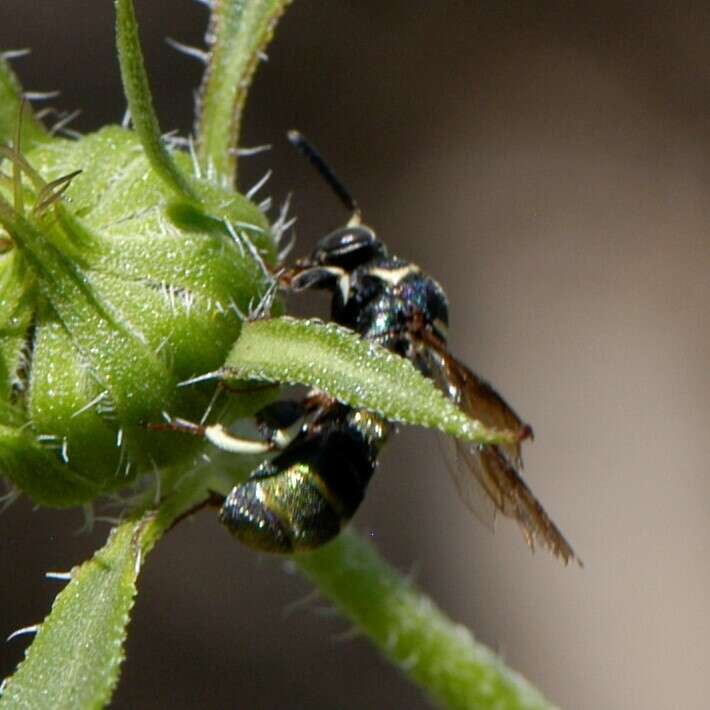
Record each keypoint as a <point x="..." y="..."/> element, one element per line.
<point x="239" y="31"/>
<point x="440" y="656"/>
<point x="140" y="102"/>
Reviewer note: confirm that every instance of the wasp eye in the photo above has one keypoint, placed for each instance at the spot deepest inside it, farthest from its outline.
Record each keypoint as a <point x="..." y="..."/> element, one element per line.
<point x="348" y="247"/>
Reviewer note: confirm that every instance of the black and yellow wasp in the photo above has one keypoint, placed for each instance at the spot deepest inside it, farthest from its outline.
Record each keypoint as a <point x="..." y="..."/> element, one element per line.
<point x="326" y="452"/>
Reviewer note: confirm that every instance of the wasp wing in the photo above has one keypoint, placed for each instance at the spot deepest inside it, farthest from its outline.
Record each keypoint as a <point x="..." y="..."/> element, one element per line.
<point x="493" y="469"/>
<point x="471" y="488"/>
<point x="513" y="497"/>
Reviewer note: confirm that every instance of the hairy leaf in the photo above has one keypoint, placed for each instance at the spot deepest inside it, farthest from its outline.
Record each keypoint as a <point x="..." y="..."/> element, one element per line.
<point x="239" y="32"/>
<point x="140" y="102"/>
<point x="75" y="657"/>
<point x="10" y="101"/>
<point x="352" y="370"/>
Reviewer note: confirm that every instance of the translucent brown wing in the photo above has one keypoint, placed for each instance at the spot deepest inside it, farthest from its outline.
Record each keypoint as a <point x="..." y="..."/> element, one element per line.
<point x="469" y="477"/>
<point x="513" y="498"/>
<point x="491" y="471"/>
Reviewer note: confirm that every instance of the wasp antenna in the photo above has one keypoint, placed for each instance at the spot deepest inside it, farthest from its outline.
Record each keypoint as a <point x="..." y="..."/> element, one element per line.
<point x="301" y="143"/>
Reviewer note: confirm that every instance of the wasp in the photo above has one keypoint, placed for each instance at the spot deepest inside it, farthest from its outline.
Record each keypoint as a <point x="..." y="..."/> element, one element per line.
<point x="391" y="301"/>
<point x="326" y="452"/>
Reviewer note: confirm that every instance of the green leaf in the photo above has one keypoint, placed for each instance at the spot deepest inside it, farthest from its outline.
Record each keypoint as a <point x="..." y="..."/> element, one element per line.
<point x="16" y="306"/>
<point x="239" y="32"/>
<point x="140" y="102"/>
<point x="352" y="370"/>
<point x="90" y="320"/>
<point x="75" y="657"/>
<point x="435" y="653"/>
<point x="34" y="469"/>
<point x="10" y="101"/>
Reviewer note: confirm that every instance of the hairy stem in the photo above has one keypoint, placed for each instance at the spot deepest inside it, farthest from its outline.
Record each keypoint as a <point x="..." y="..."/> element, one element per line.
<point x="440" y="656"/>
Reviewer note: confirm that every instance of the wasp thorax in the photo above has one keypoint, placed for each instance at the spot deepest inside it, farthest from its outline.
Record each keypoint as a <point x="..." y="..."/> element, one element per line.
<point x="389" y="300"/>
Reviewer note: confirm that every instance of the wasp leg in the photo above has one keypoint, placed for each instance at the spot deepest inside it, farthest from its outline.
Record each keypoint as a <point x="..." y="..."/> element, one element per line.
<point x="216" y="434"/>
<point x="281" y="421"/>
<point x="213" y="500"/>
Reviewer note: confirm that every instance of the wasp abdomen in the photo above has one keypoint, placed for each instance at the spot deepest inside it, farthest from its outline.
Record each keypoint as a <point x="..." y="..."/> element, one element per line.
<point x="302" y="498"/>
<point x="281" y="511"/>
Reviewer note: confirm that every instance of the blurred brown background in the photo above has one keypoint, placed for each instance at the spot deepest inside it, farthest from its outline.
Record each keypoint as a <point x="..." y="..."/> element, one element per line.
<point x="548" y="162"/>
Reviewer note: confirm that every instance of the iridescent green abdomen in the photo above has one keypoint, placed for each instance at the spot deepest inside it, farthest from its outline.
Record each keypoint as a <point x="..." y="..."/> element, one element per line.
<point x="301" y="499"/>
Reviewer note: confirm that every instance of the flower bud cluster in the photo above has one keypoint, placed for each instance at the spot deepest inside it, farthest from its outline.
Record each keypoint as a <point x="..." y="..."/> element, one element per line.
<point x="112" y="292"/>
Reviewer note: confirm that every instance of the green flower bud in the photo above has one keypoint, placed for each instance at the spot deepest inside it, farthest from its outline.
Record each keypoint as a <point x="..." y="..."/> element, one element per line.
<point x="110" y="296"/>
